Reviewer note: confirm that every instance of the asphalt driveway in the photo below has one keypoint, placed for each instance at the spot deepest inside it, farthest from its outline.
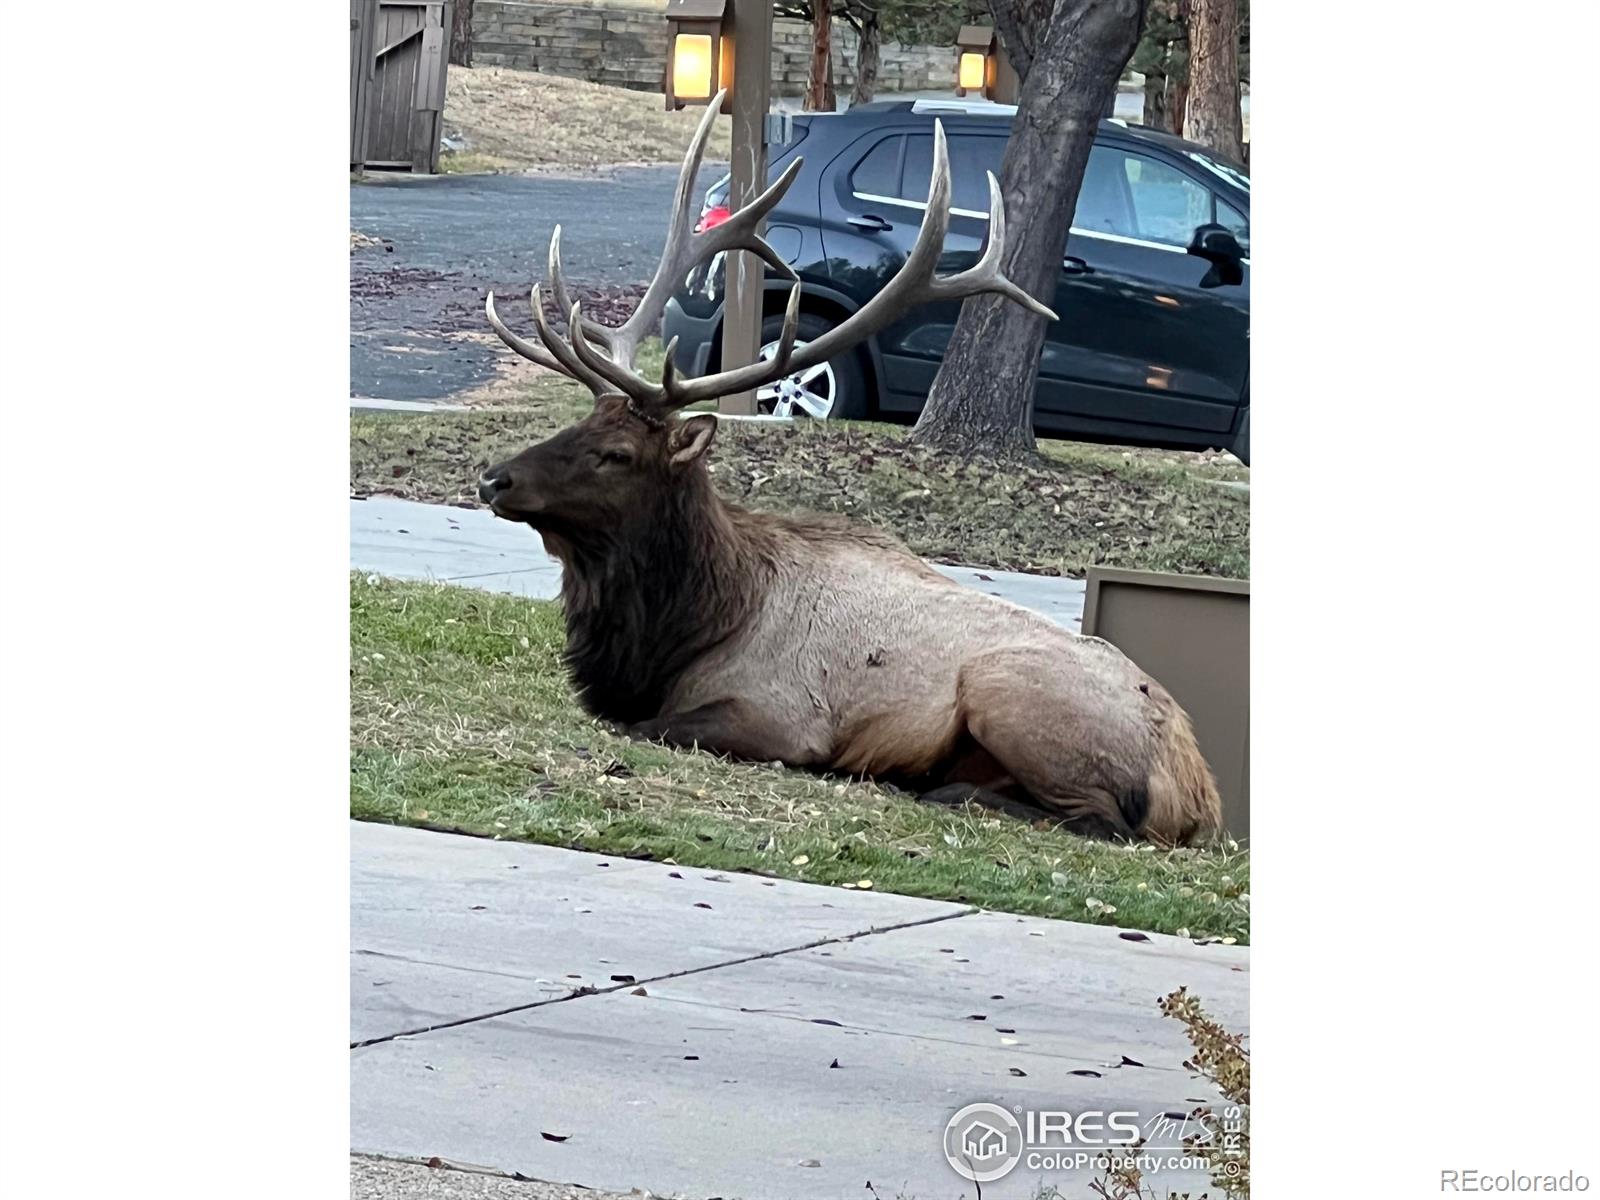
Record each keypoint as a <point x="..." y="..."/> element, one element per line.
<point x="416" y="301"/>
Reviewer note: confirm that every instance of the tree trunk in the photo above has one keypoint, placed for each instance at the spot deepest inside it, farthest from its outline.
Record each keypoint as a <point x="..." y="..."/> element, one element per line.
<point x="1212" y="116"/>
<point x="1155" y="102"/>
<point x="1021" y="25"/>
<point x="819" y="86"/>
<point x="1177" y="101"/>
<point x="867" y="57"/>
<point x="982" y="398"/>
<point x="461" y="35"/>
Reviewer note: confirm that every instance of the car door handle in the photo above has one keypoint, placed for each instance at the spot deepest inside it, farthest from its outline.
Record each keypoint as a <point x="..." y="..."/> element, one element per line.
<point x="1076" y="266"/>
<point x="871" y="222"/>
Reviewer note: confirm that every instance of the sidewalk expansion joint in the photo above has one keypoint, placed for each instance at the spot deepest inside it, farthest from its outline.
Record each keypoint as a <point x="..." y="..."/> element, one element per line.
<point x="579" y="993"/>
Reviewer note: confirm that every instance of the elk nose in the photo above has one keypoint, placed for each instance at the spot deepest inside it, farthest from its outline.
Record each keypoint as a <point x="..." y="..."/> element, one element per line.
<point x="493" y="483"/>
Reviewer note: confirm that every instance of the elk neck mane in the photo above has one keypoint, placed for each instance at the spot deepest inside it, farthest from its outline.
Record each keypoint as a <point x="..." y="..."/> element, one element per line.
<point x="643" y="602"/>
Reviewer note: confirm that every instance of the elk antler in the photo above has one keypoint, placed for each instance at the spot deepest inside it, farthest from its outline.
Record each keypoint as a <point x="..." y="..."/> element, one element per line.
<point x="602" y="358"/>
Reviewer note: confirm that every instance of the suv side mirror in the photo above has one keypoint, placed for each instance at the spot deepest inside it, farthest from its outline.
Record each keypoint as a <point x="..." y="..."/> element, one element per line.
<point x="1222" y="250"/>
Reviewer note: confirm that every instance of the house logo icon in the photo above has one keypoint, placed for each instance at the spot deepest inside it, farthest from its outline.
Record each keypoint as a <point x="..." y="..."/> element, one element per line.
<point x="982" y="1142"/>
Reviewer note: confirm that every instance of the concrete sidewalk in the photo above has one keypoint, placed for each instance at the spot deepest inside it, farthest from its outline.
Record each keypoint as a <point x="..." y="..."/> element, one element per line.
<point x="471" y="547"/>
<point x="620" y="1024"/>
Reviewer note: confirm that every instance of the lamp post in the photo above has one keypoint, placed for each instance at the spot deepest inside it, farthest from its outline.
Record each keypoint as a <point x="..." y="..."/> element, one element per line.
<point x="705" y="41"/>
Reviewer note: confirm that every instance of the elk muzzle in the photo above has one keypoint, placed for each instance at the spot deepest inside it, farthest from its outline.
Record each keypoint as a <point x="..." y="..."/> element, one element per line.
<point x="493" y="483"/>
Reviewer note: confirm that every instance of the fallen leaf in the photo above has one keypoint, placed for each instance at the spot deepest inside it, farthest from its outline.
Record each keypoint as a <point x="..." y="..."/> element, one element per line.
<point x="554" y="1137"/>
<point x="1090" y="1074"/>
<point x="674" y="875"/>
<point x="638" y="991"/>
<point x="436" y="1162"/>
<point x="701" y="904"/>
<point x="809" y="1162"/>
<point x="1009" y="1042"/>
<point x="691" y="1058"/>
<point x="1132" y="936"/>
<point x="825" y="1021"/>
<point x="977" y="1017"/>
<point x="623" y="979"/>
<point x="479" y="907"/>
<point x="1130" y="1062"/>
<point x="1017" y="1071"/>
<point x="799" y="860"/>
<point x="834" y="1065"/>
<point x="863" y="884"/>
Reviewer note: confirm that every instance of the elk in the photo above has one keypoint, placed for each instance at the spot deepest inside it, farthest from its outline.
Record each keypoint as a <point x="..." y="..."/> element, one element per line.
<point x="811" y="640"/>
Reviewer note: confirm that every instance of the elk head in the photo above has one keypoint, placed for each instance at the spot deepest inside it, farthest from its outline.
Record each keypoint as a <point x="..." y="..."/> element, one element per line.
<point x="632" y="455"/>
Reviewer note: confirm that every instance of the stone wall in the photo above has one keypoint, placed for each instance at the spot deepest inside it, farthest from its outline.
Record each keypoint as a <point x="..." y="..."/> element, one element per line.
<point x="627" y="47"/>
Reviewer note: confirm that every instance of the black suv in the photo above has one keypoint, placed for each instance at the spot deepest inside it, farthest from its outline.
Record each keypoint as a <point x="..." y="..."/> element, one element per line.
<point x="1153" y="342"/>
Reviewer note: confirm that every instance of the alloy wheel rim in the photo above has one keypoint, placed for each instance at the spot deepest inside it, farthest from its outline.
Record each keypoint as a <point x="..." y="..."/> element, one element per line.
<point x="810" y="393"/>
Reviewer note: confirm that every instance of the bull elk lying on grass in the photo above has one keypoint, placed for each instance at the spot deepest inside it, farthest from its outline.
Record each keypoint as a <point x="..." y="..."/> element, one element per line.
<point x="809" y="639"/>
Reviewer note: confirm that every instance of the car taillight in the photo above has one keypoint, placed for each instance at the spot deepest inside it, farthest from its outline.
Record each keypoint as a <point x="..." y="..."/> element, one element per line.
<point x="712" y="217"/>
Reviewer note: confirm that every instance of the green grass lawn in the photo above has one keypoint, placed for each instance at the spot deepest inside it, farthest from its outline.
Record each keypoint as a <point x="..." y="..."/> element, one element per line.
<point x="1074" y="507"/>
<point x="462" y="719"/>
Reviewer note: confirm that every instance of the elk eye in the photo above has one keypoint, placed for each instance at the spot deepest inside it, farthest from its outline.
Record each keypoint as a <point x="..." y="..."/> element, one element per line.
<point x="615" y="456"/>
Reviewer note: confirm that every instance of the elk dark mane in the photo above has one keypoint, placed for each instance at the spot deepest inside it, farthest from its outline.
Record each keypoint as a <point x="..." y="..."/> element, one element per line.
<point x="643" y="603"/>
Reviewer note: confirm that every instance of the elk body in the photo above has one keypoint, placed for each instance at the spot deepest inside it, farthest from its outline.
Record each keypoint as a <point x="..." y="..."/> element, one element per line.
<point x="808" y="639"/>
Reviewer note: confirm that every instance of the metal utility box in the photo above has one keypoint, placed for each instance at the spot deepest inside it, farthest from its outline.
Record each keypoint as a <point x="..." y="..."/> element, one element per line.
<point x="1192" y="633"/>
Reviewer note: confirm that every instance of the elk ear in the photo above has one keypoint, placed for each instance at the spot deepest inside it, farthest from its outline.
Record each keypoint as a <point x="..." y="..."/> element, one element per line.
<point x="692" y="438"/>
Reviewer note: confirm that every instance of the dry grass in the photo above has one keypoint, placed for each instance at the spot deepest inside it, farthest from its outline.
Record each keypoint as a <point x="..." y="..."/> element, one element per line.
<point x="516" y="120"/>
<point x="1076" y="506"/>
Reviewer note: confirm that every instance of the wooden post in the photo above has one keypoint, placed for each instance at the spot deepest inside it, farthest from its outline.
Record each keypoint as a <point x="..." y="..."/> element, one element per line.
<point x="752" y="87"/>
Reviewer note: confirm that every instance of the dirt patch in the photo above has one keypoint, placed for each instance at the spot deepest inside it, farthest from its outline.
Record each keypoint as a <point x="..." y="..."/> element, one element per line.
<point x="510" y="120"/>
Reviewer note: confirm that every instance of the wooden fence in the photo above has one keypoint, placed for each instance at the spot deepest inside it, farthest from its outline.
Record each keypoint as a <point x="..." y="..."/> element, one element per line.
<point x="398" y="53"/>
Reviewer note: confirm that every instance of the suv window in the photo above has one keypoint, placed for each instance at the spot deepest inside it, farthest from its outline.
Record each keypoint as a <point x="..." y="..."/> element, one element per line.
<point x="1103" y="202"/>
<point x="970" y="156"/>
<point x="1132" y="195"/>
<point x="1168" y="206"/>
<point x="1235" y="222"/>
<point x="878" y="174"/>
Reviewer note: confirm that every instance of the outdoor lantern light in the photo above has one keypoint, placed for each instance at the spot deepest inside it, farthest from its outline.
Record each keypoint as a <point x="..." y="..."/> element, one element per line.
<point x="699" y="52"/>
<point x="983" y="66"/>
<point x="975" y="43"/>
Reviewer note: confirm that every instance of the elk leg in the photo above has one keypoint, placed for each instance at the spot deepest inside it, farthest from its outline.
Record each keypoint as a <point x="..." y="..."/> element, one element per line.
<point x="731" y="727"/>
<point x="1083" y="755"/>
<point x="954" y="795"/>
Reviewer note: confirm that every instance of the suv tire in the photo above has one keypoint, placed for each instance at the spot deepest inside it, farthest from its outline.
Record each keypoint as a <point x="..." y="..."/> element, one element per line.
<point x="850" y="399"/>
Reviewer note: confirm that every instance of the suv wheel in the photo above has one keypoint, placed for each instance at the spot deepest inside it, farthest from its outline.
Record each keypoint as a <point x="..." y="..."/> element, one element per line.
<point x="836" y="389"/>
